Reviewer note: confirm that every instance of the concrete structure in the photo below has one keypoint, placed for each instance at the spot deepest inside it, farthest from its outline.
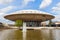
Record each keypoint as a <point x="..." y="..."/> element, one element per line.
<point x="31" y="17"/>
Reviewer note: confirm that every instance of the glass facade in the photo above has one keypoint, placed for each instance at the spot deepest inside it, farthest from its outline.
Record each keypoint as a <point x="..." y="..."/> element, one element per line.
<point x="32" y="24"/>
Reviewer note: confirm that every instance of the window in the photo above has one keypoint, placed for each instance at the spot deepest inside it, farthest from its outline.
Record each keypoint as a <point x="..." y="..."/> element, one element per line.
<point x="33" y="24"/>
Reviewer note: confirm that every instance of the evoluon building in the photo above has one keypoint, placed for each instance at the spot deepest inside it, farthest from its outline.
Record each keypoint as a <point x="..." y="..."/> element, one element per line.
<point x="32" y="18"/>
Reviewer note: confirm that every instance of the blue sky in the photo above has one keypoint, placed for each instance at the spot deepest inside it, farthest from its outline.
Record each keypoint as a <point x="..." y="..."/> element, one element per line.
<point x="10" y="6"/>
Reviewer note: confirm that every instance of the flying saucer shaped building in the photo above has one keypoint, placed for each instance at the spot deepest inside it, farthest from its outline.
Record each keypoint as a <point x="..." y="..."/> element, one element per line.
<point x="31" y="17"/>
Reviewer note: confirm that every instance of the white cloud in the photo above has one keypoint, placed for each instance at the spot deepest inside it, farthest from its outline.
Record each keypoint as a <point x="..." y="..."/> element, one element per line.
<point x="25" y="3"/>
<point x="57" y="18"/>
<point x="6" y="9"/>
<point x="2" y="16"/>
<point x="3" y="13"/>
<point x="45" y="3"/>
<point x="56" y="10"/>
<point x="5" y="1"/>
<point x="3" y="20"/>
<point x="58" y="4"/>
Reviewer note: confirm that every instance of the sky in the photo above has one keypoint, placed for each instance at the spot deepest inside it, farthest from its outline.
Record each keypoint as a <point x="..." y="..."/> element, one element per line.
<point x="10" y="6"/>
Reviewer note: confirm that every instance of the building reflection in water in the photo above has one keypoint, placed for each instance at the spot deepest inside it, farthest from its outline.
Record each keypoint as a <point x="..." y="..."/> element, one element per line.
<point x="35" y="34"/>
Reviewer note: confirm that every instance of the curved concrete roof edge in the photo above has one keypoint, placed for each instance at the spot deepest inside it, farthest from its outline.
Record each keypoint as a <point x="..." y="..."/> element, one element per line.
<point x="30" y="11"/>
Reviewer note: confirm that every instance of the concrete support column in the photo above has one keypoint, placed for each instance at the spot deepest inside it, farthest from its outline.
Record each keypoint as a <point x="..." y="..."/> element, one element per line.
<point x="24" y="31"/>
<point x="24" y="27"/>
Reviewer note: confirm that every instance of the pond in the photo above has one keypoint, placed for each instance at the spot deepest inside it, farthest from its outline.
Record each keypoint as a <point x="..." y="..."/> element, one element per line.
<point x="38" y="34"/>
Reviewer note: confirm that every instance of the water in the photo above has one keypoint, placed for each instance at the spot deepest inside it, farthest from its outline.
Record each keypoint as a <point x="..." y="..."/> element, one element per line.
<point x="24" y="35"/>
<point x="38" y="34"/>
<point x="11" y="34"/>
<point x="5" y="34"/>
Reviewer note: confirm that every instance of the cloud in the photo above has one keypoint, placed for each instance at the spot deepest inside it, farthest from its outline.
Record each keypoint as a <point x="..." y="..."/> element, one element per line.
<point x="6" y="9"/>
<point x="57" y="18"/>
<point x="5" y="1"/>
<point x="56" y="10"/>
<point x="2" y="16"/>
<point x="58" y="4"/>
<point x="45" y="3"/>
<point x="25" y="3"/>
<point x="3" y="12"/>
<point x="3" y="20"/>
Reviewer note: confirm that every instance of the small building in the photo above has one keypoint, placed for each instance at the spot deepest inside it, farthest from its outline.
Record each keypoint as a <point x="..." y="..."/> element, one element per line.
<point x="57" y="24"/>
<point x="1" y="25"/>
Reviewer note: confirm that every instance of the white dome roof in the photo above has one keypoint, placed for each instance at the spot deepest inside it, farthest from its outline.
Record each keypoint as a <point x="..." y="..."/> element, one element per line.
<point x="30" y="12"/>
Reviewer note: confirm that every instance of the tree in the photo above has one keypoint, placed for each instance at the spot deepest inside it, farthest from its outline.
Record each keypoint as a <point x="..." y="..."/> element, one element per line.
<point x="50" y="22"/>
<point x="18" y="23"/>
